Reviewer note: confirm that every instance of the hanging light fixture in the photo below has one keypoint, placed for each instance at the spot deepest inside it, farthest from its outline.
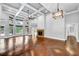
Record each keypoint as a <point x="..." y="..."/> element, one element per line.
<point x="30" y="17"/>
<point x="58" y="13"/>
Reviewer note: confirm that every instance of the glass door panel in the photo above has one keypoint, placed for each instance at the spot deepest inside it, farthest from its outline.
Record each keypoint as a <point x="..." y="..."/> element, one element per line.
<point x="2" y="46"/>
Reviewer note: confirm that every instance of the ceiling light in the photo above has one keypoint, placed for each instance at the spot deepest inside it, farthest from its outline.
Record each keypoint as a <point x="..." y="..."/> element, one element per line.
<point x="58" y="13"/>
<point x="30" y="17"/>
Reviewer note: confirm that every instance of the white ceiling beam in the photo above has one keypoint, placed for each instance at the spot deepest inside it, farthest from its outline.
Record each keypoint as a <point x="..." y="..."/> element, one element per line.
<point x="37" y="12"/>
<point x="34" y="9"/>
<point x="12" y="13"/>
<point x="44" y="6"/>
<point x="16" y="10"/>
<point x="25" y="14"/>
<point x="75" y="11"/>
<point x="20" y="9"/>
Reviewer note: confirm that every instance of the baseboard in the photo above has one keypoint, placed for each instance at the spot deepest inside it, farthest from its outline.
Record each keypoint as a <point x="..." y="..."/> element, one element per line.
<point x="55" y="38"/>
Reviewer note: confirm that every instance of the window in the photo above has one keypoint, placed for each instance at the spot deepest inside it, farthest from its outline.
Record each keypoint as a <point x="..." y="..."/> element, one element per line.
<point x="27" y="29"/>
<point x="2" y="31"/>
<point x="19" y="30"/>
<point x="10" y="30"/>
<point x="19" y="22"/>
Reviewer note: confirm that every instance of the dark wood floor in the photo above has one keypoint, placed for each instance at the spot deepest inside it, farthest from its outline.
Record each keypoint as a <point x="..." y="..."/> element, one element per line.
<point x="50" y="47"/>
<point x="46" y="47"/>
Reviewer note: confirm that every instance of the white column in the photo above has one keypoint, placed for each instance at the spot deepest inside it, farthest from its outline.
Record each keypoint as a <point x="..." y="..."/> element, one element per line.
<point x="44" y="23"/>
<point x="6" y="27"/>
<point x="29" y="24"/>
<point x="5" y="17"/>
<point x="0" y="11"/>
<point x="14" y="26"/>
<point x="0" y="14"/>
<point x="76" y="32"/>
<point x="65" y="36"/>
<point x="24" y="32"/>
<point x="0" y="22"/>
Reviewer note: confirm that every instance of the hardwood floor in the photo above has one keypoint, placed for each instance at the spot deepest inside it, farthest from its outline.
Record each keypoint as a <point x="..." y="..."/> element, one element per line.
<point x="51" y="47"/>
<point x="48" y="47"/>
<point x="45" y="47"/>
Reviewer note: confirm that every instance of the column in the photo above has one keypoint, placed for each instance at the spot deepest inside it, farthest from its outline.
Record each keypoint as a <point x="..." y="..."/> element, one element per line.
<point x="6" y="45"/>
<point x="65" y="35"/>
<point x="0" y="17"/>
<point x="14" y="26"/>
<point x="44" y="23"/>
<point x="6" y="24"/>
<point x="14" y="33"/>
<point x="24" y="32"/>
<point x="0" y="11"/>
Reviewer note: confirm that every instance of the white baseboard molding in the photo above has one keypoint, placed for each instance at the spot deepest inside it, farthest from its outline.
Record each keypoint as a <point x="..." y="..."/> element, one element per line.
<point x="55" y="38"/>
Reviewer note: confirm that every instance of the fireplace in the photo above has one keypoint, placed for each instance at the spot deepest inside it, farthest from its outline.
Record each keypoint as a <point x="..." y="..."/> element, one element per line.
<point x="40" y="32"/>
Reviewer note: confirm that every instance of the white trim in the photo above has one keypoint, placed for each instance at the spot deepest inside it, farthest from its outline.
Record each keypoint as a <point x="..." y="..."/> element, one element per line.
<point x="20" y="9"/>
<point x="13" y="9"/>
<point x="34" y="9"/>
<point x="55" y="38"/>
<point x="37" y="12"/>
<point x="72" y="12"/>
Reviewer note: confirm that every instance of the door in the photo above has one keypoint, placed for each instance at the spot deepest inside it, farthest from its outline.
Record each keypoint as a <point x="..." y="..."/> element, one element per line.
<point x="72" y="29"/>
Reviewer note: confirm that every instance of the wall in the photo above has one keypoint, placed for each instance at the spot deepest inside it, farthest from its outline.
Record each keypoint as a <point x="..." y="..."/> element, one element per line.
<point x="37" y="23"/>
<point x="54" y="28"/>
<point x="3" y="18"/>
<point x="40" y="22"/>
<point x="73" y="19"/>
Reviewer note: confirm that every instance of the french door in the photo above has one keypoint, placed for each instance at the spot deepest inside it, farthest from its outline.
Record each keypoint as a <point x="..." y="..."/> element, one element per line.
<point x="72" y="29"/>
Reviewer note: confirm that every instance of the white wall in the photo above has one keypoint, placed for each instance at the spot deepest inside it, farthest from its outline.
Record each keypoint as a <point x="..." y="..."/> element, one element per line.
<point x="4" y="18"/>
<point x="73" y="19"/>
<point x="40" y="22"/>
<point x="54" y="28"/>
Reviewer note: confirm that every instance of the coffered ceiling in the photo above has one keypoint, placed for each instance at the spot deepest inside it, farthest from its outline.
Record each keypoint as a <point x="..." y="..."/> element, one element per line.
<point x="37" y="9"/>
<point x="66" y="7"/>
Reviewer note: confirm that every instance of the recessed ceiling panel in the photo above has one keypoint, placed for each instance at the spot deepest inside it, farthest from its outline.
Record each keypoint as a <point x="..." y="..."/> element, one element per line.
<point x="4" y="8"/>
<point x="14" y="5"/>
<point x="37" y="14"/>
<point x="45" y="11"/>
<point x="50" y="6"/>
<point x="25" y="9"/>
<point x="68" y="7"/>
<point x="8" y="10"/>
<point x="36" y="5"/>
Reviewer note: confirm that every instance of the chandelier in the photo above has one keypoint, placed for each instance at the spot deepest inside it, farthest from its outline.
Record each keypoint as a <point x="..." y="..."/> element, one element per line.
<point x="58" y="13"/>
<point x="30" y="17"/>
